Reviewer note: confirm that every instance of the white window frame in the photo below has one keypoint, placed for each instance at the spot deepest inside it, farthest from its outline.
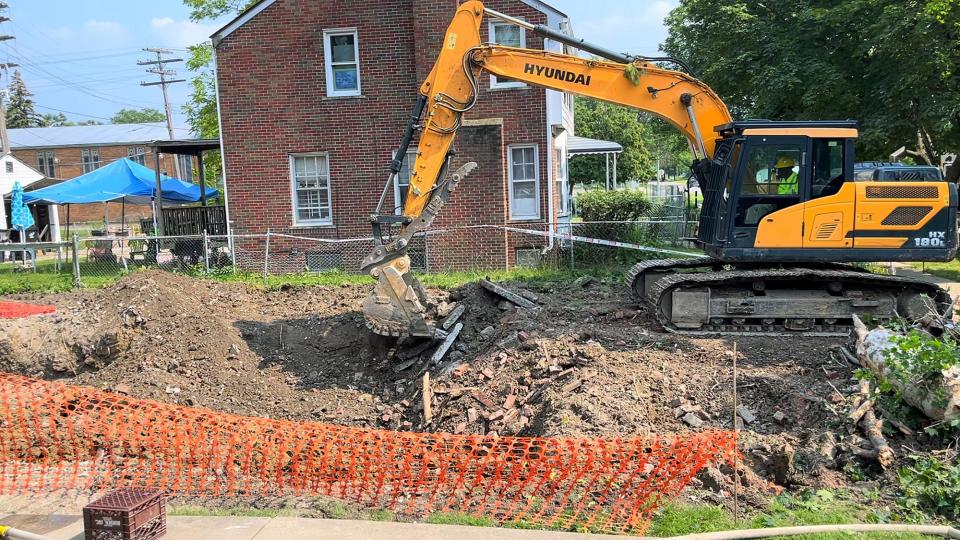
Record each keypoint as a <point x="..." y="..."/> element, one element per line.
<point x="396" y="181"/>
<point x="494" y="85"/>
<point x="328" y="60"/>
<point x="297" y="222"/>
<point x="93" y="156"/>
<point x="42" y="157"/>
<point x="138" y="154"/>
<point x="510" y="180"/>
<point x="563" y="181"/>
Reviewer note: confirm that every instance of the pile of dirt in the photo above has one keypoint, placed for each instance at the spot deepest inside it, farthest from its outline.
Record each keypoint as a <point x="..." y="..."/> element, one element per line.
<point x="586" y="361"/>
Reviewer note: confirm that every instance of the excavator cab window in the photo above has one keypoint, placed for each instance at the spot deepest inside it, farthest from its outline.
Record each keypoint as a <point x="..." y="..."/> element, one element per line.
<point x="829" y="159"/>
<point x="769" y="181"/>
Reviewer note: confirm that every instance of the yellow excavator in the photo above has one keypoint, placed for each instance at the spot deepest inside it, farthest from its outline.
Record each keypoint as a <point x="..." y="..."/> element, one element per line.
<point x="782" y="214"/>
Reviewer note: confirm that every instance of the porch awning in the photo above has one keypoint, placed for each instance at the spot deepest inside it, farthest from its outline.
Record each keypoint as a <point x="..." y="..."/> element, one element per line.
<point x="578" y="146"/>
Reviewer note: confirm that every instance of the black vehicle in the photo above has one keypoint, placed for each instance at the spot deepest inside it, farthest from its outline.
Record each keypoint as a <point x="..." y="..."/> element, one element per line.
<point x="895" y="172"/>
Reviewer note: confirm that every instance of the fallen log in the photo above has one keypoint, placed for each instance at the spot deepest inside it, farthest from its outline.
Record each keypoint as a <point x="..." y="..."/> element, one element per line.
<point x="938" y="401"/>
<point x="864" y="417"/>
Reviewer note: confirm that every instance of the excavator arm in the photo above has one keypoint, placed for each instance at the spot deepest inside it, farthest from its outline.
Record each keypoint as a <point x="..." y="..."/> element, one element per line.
<point x="398" y="304"/>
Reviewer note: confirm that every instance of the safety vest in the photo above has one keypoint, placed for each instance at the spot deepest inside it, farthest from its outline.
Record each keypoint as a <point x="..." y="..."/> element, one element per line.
<point x="788" y="186"/>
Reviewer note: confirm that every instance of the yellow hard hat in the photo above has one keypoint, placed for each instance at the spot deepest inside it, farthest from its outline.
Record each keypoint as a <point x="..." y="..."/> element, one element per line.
<point x="785" y="161"/>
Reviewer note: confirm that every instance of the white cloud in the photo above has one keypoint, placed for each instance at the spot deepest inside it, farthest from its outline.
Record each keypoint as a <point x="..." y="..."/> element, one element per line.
<point x="174" y="33"/>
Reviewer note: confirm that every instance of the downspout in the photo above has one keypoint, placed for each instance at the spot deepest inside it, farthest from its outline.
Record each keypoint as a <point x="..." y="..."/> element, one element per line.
<point x="551" y="221"/>
<point x="223" y="153"/>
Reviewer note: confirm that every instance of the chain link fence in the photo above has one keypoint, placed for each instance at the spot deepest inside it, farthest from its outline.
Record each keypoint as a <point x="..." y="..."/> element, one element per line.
<point x="91" y="261"/>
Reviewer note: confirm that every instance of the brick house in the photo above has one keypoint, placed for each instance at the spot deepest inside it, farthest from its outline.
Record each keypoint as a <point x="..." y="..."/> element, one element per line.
<point x="66" y="152"/>
<point x="314" y="96"/>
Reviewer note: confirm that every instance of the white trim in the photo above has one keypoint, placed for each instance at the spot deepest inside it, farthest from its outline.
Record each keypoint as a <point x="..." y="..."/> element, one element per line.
<point x="398" y="210"/>
<point x="291" y="161"/>
<point x="536" y="174"/>
<point x="328" y="59"/>
<point x="223" y="153"/>
<point x="494" y="85"/>
<point x="232" y="26"/>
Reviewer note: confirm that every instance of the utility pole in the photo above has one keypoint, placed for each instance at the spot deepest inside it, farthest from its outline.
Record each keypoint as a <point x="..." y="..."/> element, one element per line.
<point x="4" y="139"/>
<point x="161" y="71"/>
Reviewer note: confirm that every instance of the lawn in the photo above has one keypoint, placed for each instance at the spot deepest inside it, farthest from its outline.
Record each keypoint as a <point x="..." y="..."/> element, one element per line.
<point x="949" y="270"/>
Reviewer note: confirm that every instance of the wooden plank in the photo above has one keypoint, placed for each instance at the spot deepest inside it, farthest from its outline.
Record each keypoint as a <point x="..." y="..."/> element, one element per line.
<point x="504" y="293"/>
<point x="445" y="346"/>
<point x="453" y="316"/>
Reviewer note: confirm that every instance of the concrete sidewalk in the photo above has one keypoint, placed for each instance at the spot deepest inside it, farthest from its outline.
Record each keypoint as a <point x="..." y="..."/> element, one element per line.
<point x="59" y="527"/>
<point x="951" y="287"/>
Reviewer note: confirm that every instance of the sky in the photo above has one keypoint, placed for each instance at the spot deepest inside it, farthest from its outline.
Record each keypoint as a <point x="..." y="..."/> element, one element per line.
<point x="79" y="57"/>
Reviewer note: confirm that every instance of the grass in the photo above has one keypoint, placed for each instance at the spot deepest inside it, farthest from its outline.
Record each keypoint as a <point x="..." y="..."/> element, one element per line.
<point x="949" y="270"/>
<point x="821" y="507"/>
<point x="47" y="279"/>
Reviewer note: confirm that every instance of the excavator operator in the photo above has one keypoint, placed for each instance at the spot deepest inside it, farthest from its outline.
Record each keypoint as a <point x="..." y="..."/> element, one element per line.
<point x="786" y="176"/>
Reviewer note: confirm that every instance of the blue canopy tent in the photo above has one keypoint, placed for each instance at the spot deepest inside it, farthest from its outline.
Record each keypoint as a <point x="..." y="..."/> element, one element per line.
<point x="123" y="180"/>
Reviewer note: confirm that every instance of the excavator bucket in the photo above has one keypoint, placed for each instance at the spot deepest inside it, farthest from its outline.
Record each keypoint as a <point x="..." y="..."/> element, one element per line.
<point x="398" y="305"/>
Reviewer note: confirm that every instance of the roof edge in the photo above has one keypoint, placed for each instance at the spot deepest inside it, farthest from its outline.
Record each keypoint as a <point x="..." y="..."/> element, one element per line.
<point x="255" y="10"/>
<point x="240" y="20"/>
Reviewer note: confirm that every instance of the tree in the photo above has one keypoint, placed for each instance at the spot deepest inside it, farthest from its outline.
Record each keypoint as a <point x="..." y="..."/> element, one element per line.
<point x="20" y="111"/>
<point x="891" y="64"/>
<point x="606" y="121"/>
<point x="59" y="120"/>
<point x="201" y="108"/>
<point x="134" y="116"/>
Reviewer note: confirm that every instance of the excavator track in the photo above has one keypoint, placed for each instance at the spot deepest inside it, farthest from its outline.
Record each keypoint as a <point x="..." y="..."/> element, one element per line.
<point x="702" y="297"/>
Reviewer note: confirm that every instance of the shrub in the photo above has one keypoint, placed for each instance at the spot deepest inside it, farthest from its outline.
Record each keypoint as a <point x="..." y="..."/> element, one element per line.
<point x="618" y="205"/>
<point x="930" y="486"/>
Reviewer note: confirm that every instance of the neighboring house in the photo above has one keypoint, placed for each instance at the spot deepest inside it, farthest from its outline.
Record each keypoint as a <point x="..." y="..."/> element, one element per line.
<point x="314" y="96"/>
<point x="69" y="151"/>
<point x="12" y="170"/>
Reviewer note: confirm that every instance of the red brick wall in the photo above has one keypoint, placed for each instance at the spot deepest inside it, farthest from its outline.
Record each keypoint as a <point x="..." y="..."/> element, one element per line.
<point x="273" y="103"/>
<point x="70" y="165"/>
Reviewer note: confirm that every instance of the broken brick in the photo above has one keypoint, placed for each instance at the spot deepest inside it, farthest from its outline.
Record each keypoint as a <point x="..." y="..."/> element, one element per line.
<point x="488" y="373"/>
<point x="572" y="385"/>
<point x="460" y="428"/>
<point x="496" y="415"/>
<point x="487" y="402"/>
<point x="471" y="415"/>
<point x="510" y="401"/>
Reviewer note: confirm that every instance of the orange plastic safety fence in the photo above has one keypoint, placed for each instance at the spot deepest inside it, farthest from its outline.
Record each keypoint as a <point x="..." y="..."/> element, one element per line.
<point x="16" y="310"/>
<point x="57" y="437"/>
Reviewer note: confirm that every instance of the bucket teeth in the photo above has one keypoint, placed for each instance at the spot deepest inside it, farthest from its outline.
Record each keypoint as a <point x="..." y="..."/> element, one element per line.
<point x="397" y="305"/>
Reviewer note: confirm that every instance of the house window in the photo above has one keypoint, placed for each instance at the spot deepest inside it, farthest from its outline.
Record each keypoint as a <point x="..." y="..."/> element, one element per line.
<point x="511" y="36"/>
<point x="524" y="176"/>
<point x="137" y="153"/>
<point x="46" y="163"/>
<point x="402" y="181"/>
<point x="341" y="53"/>
<point x="528" y="257"/>
<point x="91" y="159"/>
<point x="310" y="184"/>
<point x="9" y="166"/>
<point x="563" y="186"/>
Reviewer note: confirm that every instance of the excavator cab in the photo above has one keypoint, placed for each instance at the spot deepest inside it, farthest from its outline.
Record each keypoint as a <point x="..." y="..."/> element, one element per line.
<point x="784" y="192"/>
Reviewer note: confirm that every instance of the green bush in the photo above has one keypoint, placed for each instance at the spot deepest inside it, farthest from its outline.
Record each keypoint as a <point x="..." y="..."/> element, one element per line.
<point x="930" y="486"/>
<point x="618" y="205"/>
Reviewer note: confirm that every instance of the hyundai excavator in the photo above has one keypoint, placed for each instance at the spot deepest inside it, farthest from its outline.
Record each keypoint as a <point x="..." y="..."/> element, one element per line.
<point x="781" y="220"/>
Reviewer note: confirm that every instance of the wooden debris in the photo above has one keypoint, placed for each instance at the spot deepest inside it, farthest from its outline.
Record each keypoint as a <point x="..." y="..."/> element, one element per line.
<point x="454" y="316"/>
<point x="508" y="295"/>
<point x="938" y="402"/>
<point x="427" y="399"/>
<point x="445" y="346"/>
<point x="864" y="417"/>
<point x="901" y="427"/>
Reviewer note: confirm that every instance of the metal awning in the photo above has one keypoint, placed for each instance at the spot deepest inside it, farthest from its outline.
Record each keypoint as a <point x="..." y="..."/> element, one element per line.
<point x="583" y="146"/>
<point x="578" y="146"/>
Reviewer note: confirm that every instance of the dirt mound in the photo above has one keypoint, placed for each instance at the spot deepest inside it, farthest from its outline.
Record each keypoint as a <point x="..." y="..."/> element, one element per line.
<point x="587" y="362"/>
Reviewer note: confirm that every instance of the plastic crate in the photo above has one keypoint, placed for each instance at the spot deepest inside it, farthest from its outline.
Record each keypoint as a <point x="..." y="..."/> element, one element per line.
<point x="126" y="514"/>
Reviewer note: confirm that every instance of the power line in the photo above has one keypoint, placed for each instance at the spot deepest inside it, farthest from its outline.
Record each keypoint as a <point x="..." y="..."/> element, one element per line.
<point x="163" y="73"/>
<point x="92" y="116"/>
